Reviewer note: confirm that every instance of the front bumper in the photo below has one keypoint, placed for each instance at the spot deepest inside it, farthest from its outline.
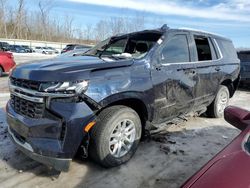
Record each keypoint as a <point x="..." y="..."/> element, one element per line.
<point x="54" y="139"/>
<point x="57" y="163"/>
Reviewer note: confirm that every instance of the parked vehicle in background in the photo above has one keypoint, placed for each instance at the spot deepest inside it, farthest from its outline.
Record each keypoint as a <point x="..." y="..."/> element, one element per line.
<point x="74" y="53"/>
<point x="101" y="102"/>
<point x="43" y="50"/>
<point x="27" y="48"/>
<point x="231" y="167"/>
<point x="55" y="51"/>
<point x="244" y="57"/>
<point x="4" y="46"/>
<point x="71" y="47"/>
<point x="17" y="49"/>
<point x="6" y="62"/>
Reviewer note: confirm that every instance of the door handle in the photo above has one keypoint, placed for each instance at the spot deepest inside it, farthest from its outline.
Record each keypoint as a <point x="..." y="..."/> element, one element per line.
<point x="158" y="68"/>
<point x="217" y="68"/>
<point x="190" y="71"/>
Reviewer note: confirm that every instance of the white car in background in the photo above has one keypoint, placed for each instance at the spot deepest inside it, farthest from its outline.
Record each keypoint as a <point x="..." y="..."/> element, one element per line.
<point x="43" y="50"/>
<point x="55" y="51"/>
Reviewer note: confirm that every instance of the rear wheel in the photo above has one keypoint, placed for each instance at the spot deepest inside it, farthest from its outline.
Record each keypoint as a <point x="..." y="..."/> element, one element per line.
<point x="216" y="109"/>
<point x="115" y="137"/>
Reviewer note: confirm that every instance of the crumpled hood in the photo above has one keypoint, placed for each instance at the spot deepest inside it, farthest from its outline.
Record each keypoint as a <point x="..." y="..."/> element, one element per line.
<point x="65" y="69"/>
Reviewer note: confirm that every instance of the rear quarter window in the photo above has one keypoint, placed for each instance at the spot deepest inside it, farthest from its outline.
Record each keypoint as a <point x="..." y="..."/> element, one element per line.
<point x="227" y="49"/>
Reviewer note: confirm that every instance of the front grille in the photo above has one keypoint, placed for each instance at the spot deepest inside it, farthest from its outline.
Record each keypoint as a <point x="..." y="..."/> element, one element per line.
<point x="27" y="108"/>
<point x="27" y="84"/>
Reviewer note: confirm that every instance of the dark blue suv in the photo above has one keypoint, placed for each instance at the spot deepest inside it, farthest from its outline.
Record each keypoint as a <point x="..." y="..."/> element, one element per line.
<point x="101" y="103"/>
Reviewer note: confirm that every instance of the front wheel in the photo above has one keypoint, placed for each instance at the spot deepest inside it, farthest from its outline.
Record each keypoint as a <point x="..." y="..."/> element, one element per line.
<point x="115" y="137"/>
<point x="216" y="109"/>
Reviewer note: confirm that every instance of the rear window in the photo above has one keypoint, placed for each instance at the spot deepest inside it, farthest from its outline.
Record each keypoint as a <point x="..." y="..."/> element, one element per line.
<point x="244" y="56"/>
<point x="227" y="49"/>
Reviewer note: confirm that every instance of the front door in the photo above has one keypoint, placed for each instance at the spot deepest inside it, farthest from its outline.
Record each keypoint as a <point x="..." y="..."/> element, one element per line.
<point x="174" y="78"/>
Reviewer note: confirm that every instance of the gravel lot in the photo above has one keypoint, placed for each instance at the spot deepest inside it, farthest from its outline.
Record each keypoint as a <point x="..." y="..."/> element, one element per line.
<point x="165" y="160"/>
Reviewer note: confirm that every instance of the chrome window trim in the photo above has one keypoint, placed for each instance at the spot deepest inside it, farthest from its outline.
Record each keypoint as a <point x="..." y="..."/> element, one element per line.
<point x="217" y="46"/>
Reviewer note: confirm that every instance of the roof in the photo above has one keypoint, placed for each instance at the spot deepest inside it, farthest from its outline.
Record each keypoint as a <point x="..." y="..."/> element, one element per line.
<point x="203" y="32"/>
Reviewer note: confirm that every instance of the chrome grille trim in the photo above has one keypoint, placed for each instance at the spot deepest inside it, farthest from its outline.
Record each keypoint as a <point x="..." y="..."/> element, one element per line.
<point x="13" y="88"/>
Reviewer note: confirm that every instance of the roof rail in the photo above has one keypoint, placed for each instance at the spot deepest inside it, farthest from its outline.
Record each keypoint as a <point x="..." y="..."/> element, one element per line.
<point x="202" y="31"/>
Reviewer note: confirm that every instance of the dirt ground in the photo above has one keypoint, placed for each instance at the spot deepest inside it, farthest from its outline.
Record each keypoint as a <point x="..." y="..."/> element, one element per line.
<point x="163" y="161"/>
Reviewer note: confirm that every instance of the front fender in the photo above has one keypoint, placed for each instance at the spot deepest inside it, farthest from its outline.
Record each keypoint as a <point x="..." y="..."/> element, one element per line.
<point x="127" y="98"/>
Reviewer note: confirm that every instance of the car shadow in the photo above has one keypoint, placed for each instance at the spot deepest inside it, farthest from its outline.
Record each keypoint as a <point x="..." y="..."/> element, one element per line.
<point x="166" y="160"/>
<point x="244" y="88"/>
<point x="163" y="160"/>
<point x="5" y="75"/>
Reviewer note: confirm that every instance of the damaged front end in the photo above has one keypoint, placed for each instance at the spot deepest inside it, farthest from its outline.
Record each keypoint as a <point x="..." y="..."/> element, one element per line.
<point x="48" y="125"/>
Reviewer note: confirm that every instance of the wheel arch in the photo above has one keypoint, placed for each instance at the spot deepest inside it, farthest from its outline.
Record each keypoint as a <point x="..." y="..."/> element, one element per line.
<point x="136" y="101"/>
<point x="231" y="85"/>
<point x="1" y="67"/>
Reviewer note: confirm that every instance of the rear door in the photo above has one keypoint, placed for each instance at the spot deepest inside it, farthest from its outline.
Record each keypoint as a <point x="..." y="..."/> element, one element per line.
<point x="174" y="77"/>
<point x="208" y="67"/>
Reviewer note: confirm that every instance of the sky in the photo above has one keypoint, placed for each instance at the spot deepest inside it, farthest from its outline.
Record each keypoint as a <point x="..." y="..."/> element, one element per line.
<point x="230" y="18"/>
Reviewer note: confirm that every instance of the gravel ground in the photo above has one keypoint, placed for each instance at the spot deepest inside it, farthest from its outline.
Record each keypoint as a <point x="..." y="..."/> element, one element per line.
<point x="165" y="160"/>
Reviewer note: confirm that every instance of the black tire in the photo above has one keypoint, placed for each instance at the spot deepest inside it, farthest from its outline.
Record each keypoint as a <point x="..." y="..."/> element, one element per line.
<point x="1" y="71"/>
<point x="107" y="121"/>
<point x="214" y="110"/>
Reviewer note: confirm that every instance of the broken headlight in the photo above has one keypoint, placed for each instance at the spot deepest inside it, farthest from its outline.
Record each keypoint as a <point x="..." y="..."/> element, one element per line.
<point x="76" y="87"/>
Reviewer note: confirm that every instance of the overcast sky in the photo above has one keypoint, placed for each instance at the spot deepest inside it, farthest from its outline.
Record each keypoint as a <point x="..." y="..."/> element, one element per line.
<point x="226" y="17"/>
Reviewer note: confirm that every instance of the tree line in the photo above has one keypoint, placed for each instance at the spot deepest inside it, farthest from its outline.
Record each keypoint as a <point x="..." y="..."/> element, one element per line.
<point x="18" y="22"/>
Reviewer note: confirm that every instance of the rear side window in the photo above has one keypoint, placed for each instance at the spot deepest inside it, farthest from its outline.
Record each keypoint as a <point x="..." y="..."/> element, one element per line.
<point x="227" y="49"/>
<point x="244" y="56"/>
<point x="203" y="48"/>
<point x="176" y="50"/>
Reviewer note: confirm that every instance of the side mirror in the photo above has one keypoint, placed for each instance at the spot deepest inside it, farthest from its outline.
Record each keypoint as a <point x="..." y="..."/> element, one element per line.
<point x="237" y="117"/>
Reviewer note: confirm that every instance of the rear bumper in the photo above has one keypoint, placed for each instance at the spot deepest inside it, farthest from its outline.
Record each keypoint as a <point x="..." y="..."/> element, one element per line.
<point x="57" y="163"/>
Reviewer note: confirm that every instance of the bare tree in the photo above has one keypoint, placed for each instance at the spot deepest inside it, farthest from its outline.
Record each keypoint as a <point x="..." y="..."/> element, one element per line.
<point x="102" y="30"/>
<point x="45" y="6"/>
<point x="19" y="22"/>
<point x="3" y="22"/>
<point x="89" y="32"/>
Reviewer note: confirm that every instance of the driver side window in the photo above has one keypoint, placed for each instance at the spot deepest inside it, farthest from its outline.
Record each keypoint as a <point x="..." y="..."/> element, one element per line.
<point x="176" y="50"/>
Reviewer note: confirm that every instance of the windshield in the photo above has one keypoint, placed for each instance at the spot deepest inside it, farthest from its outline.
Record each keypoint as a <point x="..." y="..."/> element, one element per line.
<point x="128" y="46"/>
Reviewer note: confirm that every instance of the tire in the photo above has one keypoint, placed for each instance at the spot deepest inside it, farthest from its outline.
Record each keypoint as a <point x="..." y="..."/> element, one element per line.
<point x="1" y="71"/>
<point x="216" y="109"/>
<point x="104" y="146"/>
